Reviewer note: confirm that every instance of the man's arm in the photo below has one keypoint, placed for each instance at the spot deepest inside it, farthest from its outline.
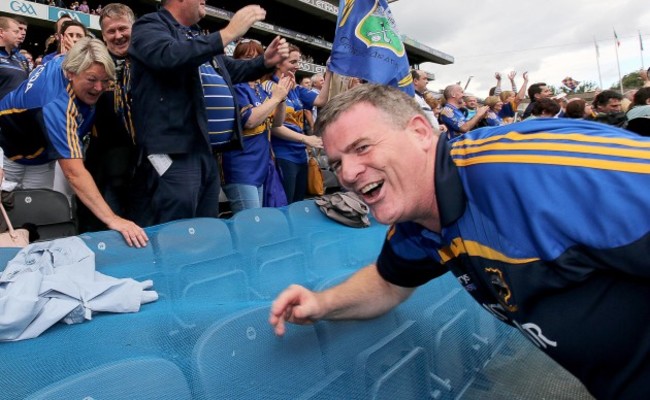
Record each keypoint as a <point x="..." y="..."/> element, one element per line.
<point x="480" y="114"/>
<point x="86" y="190"/>
<point x="365" y="295"/>
<point x="153" y="44"/>
<point x="522" y="92"/>
<point x="497" y="88"/>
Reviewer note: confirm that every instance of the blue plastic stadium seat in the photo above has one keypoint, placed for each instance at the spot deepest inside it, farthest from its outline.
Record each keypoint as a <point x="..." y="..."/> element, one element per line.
<point x="192" y="240"/>
<point x="342" y="341"/>
<point x="141" y="378"/>
<point x="324" y="240"/>
<point x="256" y="227"/>
<point x="404" y="380"/>
<point x="357" y="246"/>
<point x="390" y="352"/>
<point x="448" y="333"/>
<point x="276" y="259"/>
<point x="6" y="254"/>
<point x="240" y="358"/>
<point x="115" y="258"/>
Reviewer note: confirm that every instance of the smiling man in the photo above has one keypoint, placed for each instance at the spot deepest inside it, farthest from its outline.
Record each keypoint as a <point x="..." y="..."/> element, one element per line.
<point x="46" y="119"/>
<point x="111" y="152"/>
<point x="509" y="211"/>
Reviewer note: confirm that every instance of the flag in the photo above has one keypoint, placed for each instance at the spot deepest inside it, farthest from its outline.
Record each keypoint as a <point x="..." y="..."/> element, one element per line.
<point x="570" y="83"/>
<point x="597" y="50"/>
<point x="618" y="42"/>
<point x="367" y="45"/>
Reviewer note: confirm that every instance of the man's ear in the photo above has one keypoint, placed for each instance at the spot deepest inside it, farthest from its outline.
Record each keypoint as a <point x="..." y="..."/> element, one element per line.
<point x="421" y="128"/>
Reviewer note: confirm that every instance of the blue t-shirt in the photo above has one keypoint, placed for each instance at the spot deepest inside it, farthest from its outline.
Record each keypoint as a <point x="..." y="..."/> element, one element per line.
<point x="250" y="165"/>
<point x="298" y="100"/>
<point x="546" y="224"/>
<point x="42" y="120"/>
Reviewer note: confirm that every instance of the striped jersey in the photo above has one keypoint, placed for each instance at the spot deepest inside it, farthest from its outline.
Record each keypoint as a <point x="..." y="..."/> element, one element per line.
<point x="42" y="120"/>
<point x="546" y="223"/>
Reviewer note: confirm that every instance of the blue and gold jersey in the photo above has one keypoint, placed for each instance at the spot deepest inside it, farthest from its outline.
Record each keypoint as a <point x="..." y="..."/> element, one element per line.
<point x="249" y="165"/>
<point x="546" y="223"/>
<point x="453" y="118"/>
<point x="299" y="99"/>
<point x="42" y="120"/>
<point x="14" y="70"/>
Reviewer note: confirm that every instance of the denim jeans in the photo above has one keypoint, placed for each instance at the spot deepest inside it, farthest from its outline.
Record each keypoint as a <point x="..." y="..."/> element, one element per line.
<point x="242" y="196"/>
<point x="294" y="179"/>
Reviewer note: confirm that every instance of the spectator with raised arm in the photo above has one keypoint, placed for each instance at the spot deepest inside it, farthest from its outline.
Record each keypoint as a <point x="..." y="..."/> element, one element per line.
<point x="174" y="65"/>
<point x="244" y="171"/>
<point x="512" y="99"/>
<point x="451" y="115"/>
<point x="289" y="140"/>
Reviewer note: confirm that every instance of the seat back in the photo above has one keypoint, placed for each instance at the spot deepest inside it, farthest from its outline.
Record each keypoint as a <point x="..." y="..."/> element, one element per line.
<point x="139" y="378"/>
<point x="196" y="239"/>
<point x="256" y="227"/>
<point x="239" y="357"/>
<point x="49" y="210"/>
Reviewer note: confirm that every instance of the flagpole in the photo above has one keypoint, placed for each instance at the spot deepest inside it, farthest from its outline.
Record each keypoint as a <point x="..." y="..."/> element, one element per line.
<point x="618" y="64"/>
<point x="600" y="77"/>
<point x="641" y="50"/>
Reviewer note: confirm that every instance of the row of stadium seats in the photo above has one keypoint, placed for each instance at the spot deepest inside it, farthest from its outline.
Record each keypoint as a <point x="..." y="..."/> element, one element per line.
<point x="208" y="337"/>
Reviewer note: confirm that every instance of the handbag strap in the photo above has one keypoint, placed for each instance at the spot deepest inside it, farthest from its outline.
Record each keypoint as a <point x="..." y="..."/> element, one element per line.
<point x="12" y="233"/>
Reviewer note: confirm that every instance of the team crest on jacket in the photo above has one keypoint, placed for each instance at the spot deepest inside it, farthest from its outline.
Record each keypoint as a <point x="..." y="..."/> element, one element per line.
<point x="501" y="288"/>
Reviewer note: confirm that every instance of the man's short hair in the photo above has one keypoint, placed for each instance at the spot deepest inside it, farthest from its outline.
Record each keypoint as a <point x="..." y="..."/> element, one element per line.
<point x="5" y="22"/>
<point x="415" y="74"/>
<point x="448" y="93"/>
<point x="116" y="10"/>
<point x="397" y="106"/>
<point x="72" y="22"/>
<point x="85" y="53"/>
<point x="61" y="18"/>
<point x="603" y="97"/>
<point x="548" y="106"/>
<point x="316" y="76"/>
<point x="575" y="108"/>
<point x="641" y="96"/>
<point x="535" y="88"/>
<point x="20" y="20"/>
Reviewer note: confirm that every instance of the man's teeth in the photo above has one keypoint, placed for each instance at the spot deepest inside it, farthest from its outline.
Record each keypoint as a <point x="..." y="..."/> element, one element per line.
<point x="369" y="187"/>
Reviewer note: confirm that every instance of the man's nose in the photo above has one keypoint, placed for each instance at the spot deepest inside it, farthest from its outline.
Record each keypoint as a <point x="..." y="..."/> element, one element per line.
<point x="349" y="172"/>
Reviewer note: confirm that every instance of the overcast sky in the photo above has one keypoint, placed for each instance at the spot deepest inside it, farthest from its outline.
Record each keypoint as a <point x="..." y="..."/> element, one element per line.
<point x="550" y="39"/>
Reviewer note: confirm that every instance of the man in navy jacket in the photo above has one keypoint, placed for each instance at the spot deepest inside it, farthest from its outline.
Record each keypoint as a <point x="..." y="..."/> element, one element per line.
<point x="172" y="63"/>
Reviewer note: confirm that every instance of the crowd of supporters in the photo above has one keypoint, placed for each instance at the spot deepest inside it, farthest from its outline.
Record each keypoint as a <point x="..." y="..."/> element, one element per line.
<point x="275" y="114"/>
<point x="456" y="111"/>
